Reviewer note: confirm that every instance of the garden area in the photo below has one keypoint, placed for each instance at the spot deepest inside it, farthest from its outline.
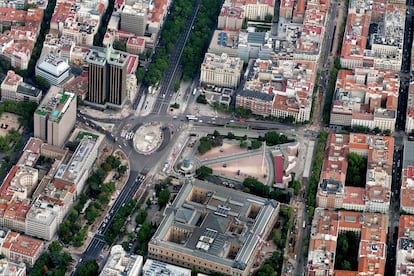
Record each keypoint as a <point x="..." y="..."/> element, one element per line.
<point x="54" y="261"/>
<point x="271" y="138"/>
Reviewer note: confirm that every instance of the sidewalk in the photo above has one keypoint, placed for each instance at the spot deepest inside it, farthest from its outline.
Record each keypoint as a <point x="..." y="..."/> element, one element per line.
<point x="179" y="97"/>
<point x="107" y="113"/>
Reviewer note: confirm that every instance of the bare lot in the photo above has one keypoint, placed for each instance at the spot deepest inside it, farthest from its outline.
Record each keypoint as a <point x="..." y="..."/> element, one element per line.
<point x="7" y="122"/>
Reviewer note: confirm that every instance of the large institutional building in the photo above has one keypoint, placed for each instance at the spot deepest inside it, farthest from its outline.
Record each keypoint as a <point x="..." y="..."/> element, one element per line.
<point x="55" y="117"/>
<point x="213" y="229"/>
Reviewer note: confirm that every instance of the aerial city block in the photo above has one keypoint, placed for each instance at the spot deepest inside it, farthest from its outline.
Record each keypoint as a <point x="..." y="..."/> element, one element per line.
<point x="206" y="137"/>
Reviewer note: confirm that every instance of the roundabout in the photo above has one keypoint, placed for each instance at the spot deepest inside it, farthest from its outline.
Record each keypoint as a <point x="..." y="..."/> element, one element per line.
<point x="148" y="138"/>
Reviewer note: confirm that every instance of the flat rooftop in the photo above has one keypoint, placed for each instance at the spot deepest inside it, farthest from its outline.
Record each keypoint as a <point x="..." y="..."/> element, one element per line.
<point x="76" y="165"/>
<point x="55" y="103"/>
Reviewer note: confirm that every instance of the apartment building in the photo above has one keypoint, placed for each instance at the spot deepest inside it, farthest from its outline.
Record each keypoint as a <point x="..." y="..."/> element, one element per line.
<point x="19" y="183"/>
<point x="230" y="18"/>
<point x="9" y="268"/>
<point x="63" y="10"/>
<point x="13" y="214"/>
<point x="404" y="260"/>
<point x="20" y="39"/>
<point x="259" y="103"/>
<point x="53" y="69"/>
<point x="254" y="10"/>
<point x="31" y="153"/>
<point x="290" y="82"/>
<point x="409" y="124"/>
<point x="78" y="22"/>
<point x="299" y="11"/>
<point x="385" y="43"/>
<point x="134" y="19"/>
<point x="58" y="194"/>
<point x="42" y="220"/>
<point x="286" y="8"/>
<point x="9" y="86"/>
<point x="326" y="225"/>
<point x="322" y="245"/>
<point x="200" y="228"/>
<point x="14" y="89"/>
<point x="11" y="16"/>
<point x="28" y="93"/>
<point x="55" y="117"/>
<point x="135" y="45"/>
<point x="59" y="47"/>
<point x="77" y="86"/>
<point x="121" y="263"/>
<point x="331" y="193"/>
<point x="20" y="248"/>
<point x="407" y="190"/>
<point x="14" y="4"/>
<point x="366" y="97"/>
<point x="221" y="70"/>
<point x="77" y="170"/>
<point x="375" y="196"/>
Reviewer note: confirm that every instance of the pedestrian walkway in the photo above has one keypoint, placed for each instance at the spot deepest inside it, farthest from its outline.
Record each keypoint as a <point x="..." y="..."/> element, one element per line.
<point x="106" y="113"/>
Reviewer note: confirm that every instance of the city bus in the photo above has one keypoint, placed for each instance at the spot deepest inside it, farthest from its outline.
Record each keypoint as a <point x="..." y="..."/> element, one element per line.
<point x="191" y="118"/>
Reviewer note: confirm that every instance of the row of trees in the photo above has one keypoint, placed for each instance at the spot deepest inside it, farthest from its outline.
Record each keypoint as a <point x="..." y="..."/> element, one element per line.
<point x="274" y="264"/>
<point x="367" y="130"/>
<point x="143" y="237"/>
<point x="326" y="114"/>
<point x="273" y="138"/>
<point x="193" y="53"/>
<point x="162" y="193"/>
<point x="295" y="185"/>
<point x="37" y="49"/>
<point x="99" y="36"/>
<point x="216" y="139"/>
<point x="117" y="225"/>
<point x="71" y="231"/>
<point x="173" y="27"/>
<point x="90" y="268"/>
<point x="316" y="171"/>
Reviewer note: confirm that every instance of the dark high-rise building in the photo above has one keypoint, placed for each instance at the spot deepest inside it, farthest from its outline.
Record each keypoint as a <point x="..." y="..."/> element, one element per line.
<point x="108" y="69"/>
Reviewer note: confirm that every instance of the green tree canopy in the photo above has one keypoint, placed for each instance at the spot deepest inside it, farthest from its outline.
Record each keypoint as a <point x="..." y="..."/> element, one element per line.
<point x="89" y="268"/>
<point x="205" y="145"/>
<point x="141" y="216"/>
<point x="203" y="172"/>
<point x="356" y="171"/>
<point x="163" y="198"/>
